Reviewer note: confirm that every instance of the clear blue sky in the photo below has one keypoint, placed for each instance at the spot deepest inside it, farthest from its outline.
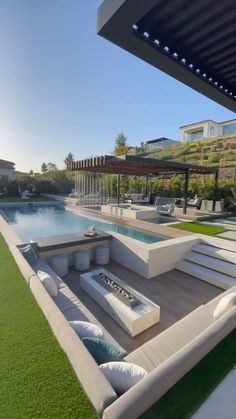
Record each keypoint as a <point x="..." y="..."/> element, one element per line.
<point x="63" y="88"/>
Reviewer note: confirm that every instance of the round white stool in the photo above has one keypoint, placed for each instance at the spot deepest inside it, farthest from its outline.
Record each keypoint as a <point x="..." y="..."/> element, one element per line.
<point x="82" y="260"/>
<point x="102" y="255"/>
<point x="60" y="265"/>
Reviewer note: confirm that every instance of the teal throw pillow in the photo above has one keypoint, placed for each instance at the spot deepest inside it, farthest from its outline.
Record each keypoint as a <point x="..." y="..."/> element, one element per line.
<point x="29" y="254"/>
<point x="102" y="351"/>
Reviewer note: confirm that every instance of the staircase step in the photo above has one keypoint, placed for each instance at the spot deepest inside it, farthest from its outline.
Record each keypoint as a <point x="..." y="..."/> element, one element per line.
<point x="219" y="265"/>
<point x="208" y="275"/>
<point x="221" y="244"/>
<point x="226" y="255"/>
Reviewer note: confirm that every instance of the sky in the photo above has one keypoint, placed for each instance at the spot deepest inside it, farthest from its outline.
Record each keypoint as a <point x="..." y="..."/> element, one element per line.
<point x="65" y="89"/>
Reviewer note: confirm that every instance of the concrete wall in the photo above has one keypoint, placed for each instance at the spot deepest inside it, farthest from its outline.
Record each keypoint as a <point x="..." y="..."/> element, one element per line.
<point x="153" y="259"/>
<point x="133" y="213"/>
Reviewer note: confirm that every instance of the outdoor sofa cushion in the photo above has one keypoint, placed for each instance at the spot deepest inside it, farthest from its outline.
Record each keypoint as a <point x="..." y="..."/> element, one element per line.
<point x="43" y="266"/>
<point x="225" y="304"/>
<point x="157" y="350"/>
<point x="86" y="329"/>
<point x="122" y="375"/>
<point x="48" y="282"/>
<point x="102" y="351"/>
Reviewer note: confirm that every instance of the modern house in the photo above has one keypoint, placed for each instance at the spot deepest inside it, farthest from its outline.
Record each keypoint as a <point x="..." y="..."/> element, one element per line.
<point x="206" y="129"/>
<point x="159" y="143"/>
<point x="7" y="171"/>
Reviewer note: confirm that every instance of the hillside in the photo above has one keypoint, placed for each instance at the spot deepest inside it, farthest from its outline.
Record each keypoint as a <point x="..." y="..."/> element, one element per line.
<point x="217" y="152"/>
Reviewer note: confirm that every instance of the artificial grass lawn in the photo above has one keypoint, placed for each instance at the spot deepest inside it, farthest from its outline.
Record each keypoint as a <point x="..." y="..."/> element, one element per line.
<point x="199" y="228"/>
<point x="37" y="380"/>
<point x="19" y="199"/>
<point x="190" y="392"/>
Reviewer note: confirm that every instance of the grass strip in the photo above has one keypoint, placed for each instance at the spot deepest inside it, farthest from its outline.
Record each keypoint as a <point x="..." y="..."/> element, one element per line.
<point x="194" y="388"/>
<point x="37" y="380"/>
<point x="199" y="228"/>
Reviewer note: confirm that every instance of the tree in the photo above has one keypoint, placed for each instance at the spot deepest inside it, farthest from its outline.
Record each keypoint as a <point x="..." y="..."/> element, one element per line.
<point x="69" y="159"/>
<point x="121" y="146"/>
<point x="31" y="172"/>
<point x="44" y="168"/>
<point x="51" y="167"/>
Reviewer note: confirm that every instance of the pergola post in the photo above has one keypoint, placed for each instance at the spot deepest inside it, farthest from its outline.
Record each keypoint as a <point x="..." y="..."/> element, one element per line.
<point x="118" y="188"/>
<point x="215" y="191"/>
<point x="185" y="191"/>
<point x="146" y="186"/>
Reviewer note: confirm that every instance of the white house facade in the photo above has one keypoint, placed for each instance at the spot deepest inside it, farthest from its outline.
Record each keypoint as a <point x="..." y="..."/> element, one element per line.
<point x="7" y="171"/>
<point x="206" y="129"/>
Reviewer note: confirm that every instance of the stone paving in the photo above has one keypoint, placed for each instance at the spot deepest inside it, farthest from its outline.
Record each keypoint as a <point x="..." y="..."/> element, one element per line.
<point x="228" y="235"/>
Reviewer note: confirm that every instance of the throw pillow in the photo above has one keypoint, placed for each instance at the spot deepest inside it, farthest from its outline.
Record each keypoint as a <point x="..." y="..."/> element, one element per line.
<point x="227" y="302"/>
<point x="122" y="375"/>
<point x="29" y="254"/>
<point x="101" y="350"/>
<point x="49" y="283"/>
<point x="86" y="329"/>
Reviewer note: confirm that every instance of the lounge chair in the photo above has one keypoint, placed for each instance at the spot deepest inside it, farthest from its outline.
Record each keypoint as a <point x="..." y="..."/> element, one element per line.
<point x="165" y="206"/>
<point x="196" y="203"/>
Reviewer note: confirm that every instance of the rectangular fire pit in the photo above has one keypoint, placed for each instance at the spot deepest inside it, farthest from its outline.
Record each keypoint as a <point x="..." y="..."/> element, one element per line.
<point x="130" y="309"/>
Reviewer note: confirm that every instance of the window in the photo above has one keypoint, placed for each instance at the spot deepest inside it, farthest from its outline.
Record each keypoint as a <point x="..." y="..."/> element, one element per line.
<point x="229" y="129"/>
<point x="194" y="136"/>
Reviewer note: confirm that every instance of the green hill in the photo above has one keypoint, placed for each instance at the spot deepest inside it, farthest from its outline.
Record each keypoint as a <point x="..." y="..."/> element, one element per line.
<point x="217" y="152"/>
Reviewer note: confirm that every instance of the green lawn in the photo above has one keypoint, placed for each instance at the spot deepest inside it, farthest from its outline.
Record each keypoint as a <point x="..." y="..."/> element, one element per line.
<point x="37" y="380"/>
<point x="189" y="393"/>
<point x="199" y="228"/>
<point x="18" y="199"/>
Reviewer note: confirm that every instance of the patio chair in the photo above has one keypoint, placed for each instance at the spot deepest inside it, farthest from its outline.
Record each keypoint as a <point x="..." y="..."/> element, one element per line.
<point x="165" y="206"/>
<point x="195" y="203"/>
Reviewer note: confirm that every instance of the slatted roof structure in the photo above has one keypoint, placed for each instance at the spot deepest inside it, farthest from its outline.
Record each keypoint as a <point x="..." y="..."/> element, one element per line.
<point x="139" y="166"/>
<point x="136" y="166"/>
<point x="192" y="41"/>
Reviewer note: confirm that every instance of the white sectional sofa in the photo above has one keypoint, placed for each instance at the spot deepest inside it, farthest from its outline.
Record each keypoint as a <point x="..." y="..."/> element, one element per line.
<point x="166" y="358"/>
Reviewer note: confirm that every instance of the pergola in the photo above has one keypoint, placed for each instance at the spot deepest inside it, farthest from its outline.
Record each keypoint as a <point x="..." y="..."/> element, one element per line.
<point x="139" y="166"/>
<point x="192" y="41"/>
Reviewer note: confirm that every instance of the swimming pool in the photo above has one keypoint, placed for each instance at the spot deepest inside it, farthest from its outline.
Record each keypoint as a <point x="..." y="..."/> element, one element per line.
<point x="31" y="221"/>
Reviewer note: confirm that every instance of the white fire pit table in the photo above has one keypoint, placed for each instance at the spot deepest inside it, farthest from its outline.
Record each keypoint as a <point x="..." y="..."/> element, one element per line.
<point x="130" y="309"/>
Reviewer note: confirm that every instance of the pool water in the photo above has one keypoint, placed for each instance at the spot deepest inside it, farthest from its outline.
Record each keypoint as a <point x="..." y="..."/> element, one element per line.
<point x="33" y="221"/>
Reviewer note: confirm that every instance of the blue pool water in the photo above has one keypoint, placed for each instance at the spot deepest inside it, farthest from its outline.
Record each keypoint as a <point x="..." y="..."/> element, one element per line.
<point x="37" y="221"/>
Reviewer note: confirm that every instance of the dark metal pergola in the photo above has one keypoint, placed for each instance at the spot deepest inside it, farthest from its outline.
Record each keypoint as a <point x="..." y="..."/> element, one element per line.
<point x="192" y="41"/>
<point x="139" y="166"/>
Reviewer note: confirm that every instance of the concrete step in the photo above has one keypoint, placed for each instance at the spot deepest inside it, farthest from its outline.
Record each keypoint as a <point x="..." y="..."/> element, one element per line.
<point x="219" y="265"/>
<point x="208" y="275"/>
<point x="216" y="252"/>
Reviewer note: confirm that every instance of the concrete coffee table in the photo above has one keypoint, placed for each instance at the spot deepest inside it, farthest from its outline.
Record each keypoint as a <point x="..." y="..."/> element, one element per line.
<point x="133" y="320"/>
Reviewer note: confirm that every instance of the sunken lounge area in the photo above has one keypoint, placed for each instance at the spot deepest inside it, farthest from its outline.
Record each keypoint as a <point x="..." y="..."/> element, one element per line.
<point x="177" y="294"/>
<point x="141" y="350"/>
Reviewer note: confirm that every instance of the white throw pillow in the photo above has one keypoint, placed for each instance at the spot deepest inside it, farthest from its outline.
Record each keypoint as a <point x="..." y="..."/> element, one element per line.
<point x="122" y="375"/>
<point x="224" y="305"/>
<point x="48" y="282"/>
<point x="86" y="329"/>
